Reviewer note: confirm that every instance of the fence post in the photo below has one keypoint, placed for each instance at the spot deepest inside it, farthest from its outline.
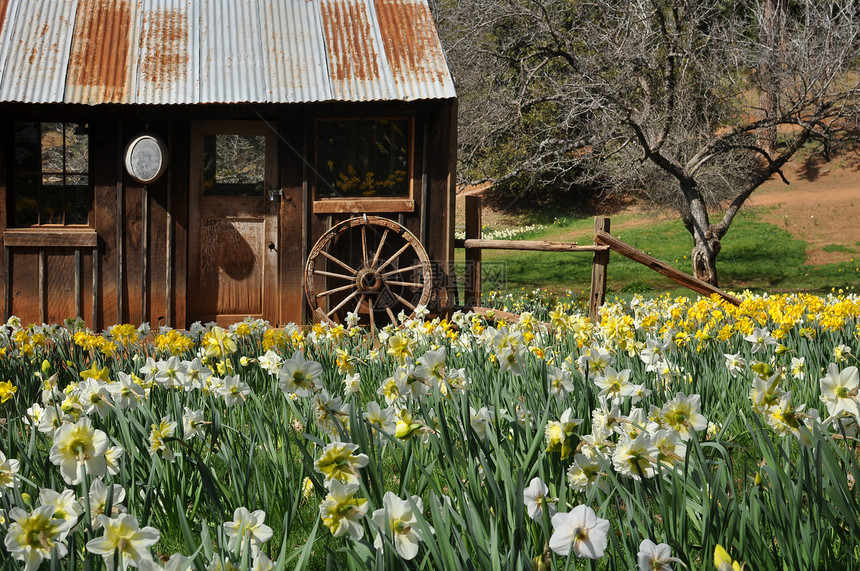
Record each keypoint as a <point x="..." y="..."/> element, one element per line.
<point x="598" y="271"/>
<point x="473" y="255"/>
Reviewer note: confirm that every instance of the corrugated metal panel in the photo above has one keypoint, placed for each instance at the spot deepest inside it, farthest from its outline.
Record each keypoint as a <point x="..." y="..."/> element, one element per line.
<point x="413" y="49"/>
<point x="354" y="51"/>
<point x="35" y="52"/>
<point x="168" y="61"/>
<point x="231" y="66"/>
<point x="100" y="69"/>
<point x="295" y="51"/>
<point x="220" y="51"/>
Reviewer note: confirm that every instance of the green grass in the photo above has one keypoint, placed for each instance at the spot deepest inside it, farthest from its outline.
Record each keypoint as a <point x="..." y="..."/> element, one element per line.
<point x="756" y="255"/>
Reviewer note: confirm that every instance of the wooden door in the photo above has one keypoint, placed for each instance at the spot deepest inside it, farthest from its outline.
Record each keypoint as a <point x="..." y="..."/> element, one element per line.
<point x="233" y="228"/>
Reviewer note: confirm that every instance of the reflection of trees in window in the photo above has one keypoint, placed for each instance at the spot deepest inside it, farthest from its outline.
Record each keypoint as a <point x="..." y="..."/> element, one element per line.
<point x="51" y="174"/>
<point x="234" y="165"/>
<point x="362" y="158"/>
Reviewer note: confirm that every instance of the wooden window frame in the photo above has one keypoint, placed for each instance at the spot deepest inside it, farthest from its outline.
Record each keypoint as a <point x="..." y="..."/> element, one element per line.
<point x="360" y="205"/>
<point x="55" y="230"/>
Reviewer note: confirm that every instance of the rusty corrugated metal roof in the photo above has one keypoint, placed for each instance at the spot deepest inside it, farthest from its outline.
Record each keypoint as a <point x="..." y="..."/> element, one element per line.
<point x="219" y="51"/>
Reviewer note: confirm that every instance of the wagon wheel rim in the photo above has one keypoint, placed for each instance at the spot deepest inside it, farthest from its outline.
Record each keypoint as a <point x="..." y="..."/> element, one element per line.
<point x="378" y="285"/>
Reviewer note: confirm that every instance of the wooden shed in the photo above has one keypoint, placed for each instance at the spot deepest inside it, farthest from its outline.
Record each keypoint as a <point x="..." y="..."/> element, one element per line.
<point x="177" y="160"/>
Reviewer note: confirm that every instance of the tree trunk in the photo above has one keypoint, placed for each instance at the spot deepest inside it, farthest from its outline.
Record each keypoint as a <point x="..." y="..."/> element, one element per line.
<point x="706" y="244"/>
<point x="704" y="257"/>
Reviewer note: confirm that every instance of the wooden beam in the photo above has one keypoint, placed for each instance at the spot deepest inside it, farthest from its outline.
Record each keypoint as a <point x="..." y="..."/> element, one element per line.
<point x="677" y="276"/>
<point x="599" y="265"/>
<point x="32" y="238"/>
<point x="531" y="245"/>
<point x="473" y="256"/>
<point x="78" y="285"/>
<point x="43" y="285"/>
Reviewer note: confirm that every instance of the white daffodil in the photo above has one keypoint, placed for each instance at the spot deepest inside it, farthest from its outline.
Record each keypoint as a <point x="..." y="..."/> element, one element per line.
<point x="338" y="461"/>
<point x="396" y="520"/>
<point x="615" y="385"/>
<point x="682" y="414"/>
<point x="636" y="458"/>
<point x="247" y="527"/>
<point x="65" y="505"/>
<point x="126" y="392"/>
<point x="839" y="390"/>
<point x="76" y="446"/>
<point x="8" y="469"/>
<point x="559" y="381"/>
<point x="379" y="418"/>
<point x="123" y="537"/>
<point x="299" y="376"/>
<point x="340" y="511"/>
<point x="98" y="497"/>
<point x="735" y="364"/>
<point x="166" y="428"/>
<point x="760" y="339"/>
<point x="270" y="362"/>
<point x="653" y="557"/>
<point x="233" y="390"/>
<point x="579" y="532"/>
<point x="535" y="499"/>
<point x="586" y="472"/>
<point x="33" y="537"/>
<point x="193" y="424"/>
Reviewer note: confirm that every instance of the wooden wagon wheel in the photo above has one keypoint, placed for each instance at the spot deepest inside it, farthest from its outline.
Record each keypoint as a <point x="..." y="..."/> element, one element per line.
<point x="371" y="266"/>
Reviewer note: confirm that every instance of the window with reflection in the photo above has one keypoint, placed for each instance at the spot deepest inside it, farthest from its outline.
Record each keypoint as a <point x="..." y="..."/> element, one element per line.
<point x="234" y="165"/>
<point x="51" y="174"/>
<point x="362" y="158"/>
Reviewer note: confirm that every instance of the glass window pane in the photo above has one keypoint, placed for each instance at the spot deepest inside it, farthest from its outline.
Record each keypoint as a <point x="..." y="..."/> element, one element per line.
<point x="51" y="205"/>
<point x="26" y="199"/>
<point x="363" y="158"/>
<point x="77" y="147"/>
<point x="52" y="147"/>
<point x="234" y="165"/>
<point x="78" y="200"/>
<point x="27" y="147"/>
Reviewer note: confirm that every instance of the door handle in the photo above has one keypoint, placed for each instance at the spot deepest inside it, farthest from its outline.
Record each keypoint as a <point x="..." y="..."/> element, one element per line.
<point x="271" y="245"/>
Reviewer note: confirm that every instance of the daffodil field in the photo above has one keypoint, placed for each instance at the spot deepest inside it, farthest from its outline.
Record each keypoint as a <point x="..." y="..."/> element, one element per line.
<point x="675" y="434"/>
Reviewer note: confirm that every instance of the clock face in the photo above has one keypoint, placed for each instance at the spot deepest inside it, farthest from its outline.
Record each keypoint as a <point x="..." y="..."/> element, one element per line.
<point x="146" y="158"/>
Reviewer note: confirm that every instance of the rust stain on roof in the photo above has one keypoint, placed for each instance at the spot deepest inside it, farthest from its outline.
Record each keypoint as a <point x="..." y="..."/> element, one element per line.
<point x="408" y="33"/>
<point x="3" y="5"/>
<point x="165" y="41"/>
<point x="350" y="41"/>
<point x="100" y="47"/>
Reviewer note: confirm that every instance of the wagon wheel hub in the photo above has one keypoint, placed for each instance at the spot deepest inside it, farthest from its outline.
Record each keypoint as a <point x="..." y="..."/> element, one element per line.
<point x="371" y="267"/>
<point x="368" y="280"/>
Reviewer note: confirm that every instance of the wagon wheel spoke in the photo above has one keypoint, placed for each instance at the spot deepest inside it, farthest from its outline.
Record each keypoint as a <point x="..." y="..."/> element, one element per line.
<point x="332" y="275"/>
<point x="364" y="258"/>
<point x="395" y="256"/>
<point x="364" y="248"/>
<point x="334" y="290"/>
<point x="379" y="248"/>
<point x="338" y="262"/>
<point x="342" y="303"/>
<point x="404" y="284"/>
<point x="401" y="270"/>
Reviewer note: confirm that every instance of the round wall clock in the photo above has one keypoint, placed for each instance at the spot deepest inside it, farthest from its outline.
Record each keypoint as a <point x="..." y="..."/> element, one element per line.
<point x="146" y="158"/>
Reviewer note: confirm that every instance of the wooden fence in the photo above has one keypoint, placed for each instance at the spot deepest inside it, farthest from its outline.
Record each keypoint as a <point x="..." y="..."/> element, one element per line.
<point x="603" y="242"/>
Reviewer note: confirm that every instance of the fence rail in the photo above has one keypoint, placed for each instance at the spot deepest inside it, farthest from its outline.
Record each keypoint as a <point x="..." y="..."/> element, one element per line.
<point x="603" y="243"/>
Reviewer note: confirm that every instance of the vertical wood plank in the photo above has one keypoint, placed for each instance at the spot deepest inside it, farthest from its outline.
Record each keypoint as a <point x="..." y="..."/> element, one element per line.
<point x="598" y="272"/>
<point x="96" y="267"/>
<point x="291" y="217"/>
<point x="144" y="254"/>
<point x="24" y="284"/>
<point x="179" y="187"/>
<point x="78" y="270"/>
<point x="106" y="157"/>
<point x="43" y="285"/>
<point x="7" y="280"/>
<point x="60" y="302"/>
<point x="168" y="254"/>
<point x="473" y="255"/>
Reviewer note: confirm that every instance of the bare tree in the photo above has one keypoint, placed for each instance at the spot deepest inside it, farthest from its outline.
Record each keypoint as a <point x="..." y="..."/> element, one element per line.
<point x="666" y="94"/>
